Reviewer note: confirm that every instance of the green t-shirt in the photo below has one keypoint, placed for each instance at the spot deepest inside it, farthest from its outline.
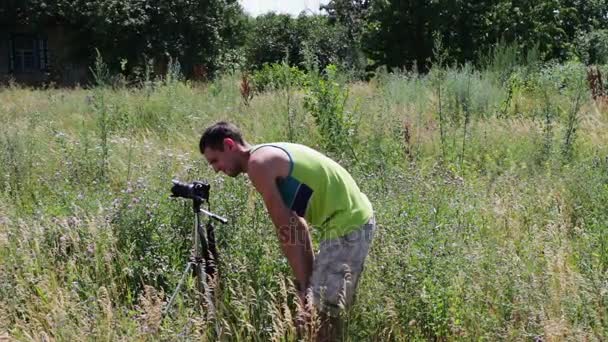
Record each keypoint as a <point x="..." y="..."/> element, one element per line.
<point x="321" y="191"/>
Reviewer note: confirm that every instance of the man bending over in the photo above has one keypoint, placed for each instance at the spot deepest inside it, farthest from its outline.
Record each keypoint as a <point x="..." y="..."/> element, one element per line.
<point x="303" y="189"/>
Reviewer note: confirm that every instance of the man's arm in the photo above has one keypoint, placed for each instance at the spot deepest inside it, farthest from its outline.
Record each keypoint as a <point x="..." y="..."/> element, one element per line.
<point x="292" y="230"/>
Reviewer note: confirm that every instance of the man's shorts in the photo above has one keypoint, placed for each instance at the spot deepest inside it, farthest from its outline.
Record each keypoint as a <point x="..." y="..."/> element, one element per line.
<point x="337" y="268"/>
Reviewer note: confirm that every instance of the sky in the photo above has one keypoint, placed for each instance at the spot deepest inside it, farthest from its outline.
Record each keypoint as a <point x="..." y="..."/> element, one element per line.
<point x="294" y="7"/>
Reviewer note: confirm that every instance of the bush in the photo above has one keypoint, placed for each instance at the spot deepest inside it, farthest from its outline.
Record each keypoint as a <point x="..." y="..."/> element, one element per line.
<point x="592" y="47"/>
<point x="275" y="37"/>
<point x="277" y="76"/>
<point x="325" y="101"/>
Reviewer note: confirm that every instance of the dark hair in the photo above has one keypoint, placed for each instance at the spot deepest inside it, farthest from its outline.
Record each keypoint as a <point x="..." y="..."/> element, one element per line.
<point x="214" y="136"/>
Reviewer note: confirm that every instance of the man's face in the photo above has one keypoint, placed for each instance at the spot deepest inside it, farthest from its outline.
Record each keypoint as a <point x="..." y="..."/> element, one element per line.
<point x="225" y="161"/>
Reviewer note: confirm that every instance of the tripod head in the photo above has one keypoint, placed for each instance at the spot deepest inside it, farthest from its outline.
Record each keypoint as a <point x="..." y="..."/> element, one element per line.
<point x="198" y="192"/>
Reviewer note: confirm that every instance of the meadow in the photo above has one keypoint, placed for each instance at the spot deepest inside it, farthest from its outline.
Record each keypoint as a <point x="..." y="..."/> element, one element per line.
<point x="490" y="189"/>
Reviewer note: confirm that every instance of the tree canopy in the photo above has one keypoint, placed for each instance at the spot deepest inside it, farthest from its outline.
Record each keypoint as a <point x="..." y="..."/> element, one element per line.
<point x="351" y="33"/>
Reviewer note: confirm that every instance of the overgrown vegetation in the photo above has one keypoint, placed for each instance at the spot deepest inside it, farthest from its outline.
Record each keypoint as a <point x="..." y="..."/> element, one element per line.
<point x="490" y="190"/>
<point x="208" y="37"/>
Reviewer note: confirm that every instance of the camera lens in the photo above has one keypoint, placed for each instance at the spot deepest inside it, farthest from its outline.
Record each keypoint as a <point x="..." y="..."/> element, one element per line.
<point x="196" y="190"/>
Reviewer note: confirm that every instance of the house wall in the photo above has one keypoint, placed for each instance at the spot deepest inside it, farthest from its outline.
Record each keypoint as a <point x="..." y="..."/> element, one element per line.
<point x="62" y="69"/>
<point x="4" y="61"/>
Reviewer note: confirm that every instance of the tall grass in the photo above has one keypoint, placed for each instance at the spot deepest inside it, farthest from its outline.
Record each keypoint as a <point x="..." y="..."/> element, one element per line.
<point x="485" y="232"/>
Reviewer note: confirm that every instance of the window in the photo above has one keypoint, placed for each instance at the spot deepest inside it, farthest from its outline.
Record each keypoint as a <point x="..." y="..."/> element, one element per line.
<point x="28" y="53"/>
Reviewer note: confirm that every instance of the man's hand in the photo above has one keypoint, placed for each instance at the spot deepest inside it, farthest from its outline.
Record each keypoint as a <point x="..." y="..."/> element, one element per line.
<point x="292" y="230"/>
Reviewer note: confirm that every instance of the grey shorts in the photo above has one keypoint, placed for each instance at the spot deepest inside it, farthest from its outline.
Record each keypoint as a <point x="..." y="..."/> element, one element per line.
<point x="338" y="267"/>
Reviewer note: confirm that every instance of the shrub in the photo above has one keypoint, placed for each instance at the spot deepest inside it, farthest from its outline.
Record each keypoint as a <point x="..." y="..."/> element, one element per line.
<point x="326" y="100"/>
<point x="277" y="76"/>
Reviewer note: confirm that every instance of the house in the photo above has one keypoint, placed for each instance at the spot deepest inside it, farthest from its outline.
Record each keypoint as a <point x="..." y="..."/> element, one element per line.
<point x="40" y="56"/>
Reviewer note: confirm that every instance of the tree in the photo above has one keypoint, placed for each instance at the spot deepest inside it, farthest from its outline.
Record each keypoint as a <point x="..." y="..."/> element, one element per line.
<point x="194" y="31"/>
<point x="277" y="36"/>
<point x="351" y="15"/>
<point x="272" y="38"/>
<point x="399" y="33"/>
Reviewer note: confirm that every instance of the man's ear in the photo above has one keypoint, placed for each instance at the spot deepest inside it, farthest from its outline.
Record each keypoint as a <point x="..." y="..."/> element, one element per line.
<point x="229" y="143"/>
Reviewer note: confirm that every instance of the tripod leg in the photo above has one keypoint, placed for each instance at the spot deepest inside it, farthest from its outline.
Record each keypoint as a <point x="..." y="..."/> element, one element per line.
<point x="211" y="257"/>
<point x="207" y="253"/>
<point x="181" y="281"/>
<point x="200" y="283"/>
<point x="205" y="273"/>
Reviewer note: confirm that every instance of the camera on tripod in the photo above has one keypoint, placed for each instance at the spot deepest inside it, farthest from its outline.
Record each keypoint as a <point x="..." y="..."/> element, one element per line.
<point x="204" y="257"/>
<point x="196" y="190"/>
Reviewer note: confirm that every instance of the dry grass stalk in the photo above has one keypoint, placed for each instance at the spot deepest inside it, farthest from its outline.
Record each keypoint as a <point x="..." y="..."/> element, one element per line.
<point x="246" y="90"/>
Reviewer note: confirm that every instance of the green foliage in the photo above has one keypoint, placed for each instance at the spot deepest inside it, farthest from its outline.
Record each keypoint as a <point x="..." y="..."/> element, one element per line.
<point x="277" y="76"/>
<point x="278" y="37"/>
<point x="469" y="28"/>
<point x="273" y="37"/>
<point x="100" y="71"/>
<point x="592" y="47"/>
<point x="196" y="32"/>
<point x="504" y="239"/>
<point x="103" y="129"/>
<point x="394" y="26"/>
<point x="563" y="77"/>
<point x="589" y="210"/>
<point x="152" y="233"/>
<point x="16" y="165"/>
<point x="577" y="94"/>
<point x="326" y="101"/>
<point x="355" y="34"/>
<point x="352" y="16"/>
<point x="505" y="60"/>
<point x="549" y="112"/>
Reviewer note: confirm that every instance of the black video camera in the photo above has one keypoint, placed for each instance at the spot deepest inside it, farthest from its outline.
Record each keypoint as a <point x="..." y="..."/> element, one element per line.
<point x="196" y="190"/>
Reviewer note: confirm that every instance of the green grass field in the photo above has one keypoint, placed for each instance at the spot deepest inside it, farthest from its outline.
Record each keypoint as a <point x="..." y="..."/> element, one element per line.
<point x="490" y="193"/>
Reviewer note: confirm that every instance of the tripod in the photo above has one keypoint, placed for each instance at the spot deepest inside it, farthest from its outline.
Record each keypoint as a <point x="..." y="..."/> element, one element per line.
<point x="204" y="257"/>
